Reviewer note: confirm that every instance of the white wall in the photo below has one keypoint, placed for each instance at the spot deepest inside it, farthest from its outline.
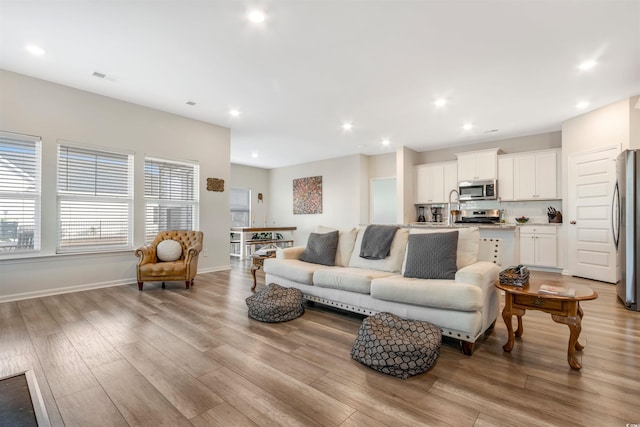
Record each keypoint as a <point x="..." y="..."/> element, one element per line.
<point x="53" y="112"/>
<point x="405" y="159"/>
<point x="382" y="166"/>
<point x="344" y="199"/>
<point x="541" y="141"/>
<point x="256" y="180"/>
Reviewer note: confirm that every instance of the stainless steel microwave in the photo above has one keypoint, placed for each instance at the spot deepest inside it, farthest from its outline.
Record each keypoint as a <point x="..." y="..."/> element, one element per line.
<point x="478" y="190"/>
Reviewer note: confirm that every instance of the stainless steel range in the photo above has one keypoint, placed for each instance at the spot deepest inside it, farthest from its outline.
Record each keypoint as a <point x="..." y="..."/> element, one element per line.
<point x="479" y="216"/>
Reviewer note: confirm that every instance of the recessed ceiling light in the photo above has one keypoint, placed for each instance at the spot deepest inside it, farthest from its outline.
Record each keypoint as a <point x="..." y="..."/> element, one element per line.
<point x="192" y="103"/>
<point x="386" y="142"/>
<point x="347" y="126"/>
<point x="582" y="105"/>
<point x="467" y="126"/>
<point x="254" y="155"/>
<point x="36" y="50"/>
<point x="587" y="65"/>
<point x="441" y="102"/>
<point x="234" y="112"/>
<point x="256" y="16"/>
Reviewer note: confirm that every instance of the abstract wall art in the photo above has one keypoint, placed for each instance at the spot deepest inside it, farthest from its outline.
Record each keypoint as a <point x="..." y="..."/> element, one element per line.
<point x="307" y="195"/>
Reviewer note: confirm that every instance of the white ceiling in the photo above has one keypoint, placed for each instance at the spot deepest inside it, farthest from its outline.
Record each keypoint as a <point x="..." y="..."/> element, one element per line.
<point x="506" y="65"/>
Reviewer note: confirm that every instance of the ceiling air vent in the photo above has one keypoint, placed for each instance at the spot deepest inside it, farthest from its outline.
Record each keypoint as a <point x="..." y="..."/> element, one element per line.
<point x="99" y="75"/>
<point x="491" y="131"/>
<point x="190" y="103"/>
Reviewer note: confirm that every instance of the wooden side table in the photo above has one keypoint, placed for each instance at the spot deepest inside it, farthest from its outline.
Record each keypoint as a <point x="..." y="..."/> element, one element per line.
<point x="257" y="262"/>
<point x="563" y="309"/>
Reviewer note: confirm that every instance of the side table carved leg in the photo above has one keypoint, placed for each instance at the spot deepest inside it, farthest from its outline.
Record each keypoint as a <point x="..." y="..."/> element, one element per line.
<point x="253" y="273"/>
<point x="575" y="327"/>
<point x="579" y="347"/>
<point x="506" y="315"/>
<point x="520" y="329"/>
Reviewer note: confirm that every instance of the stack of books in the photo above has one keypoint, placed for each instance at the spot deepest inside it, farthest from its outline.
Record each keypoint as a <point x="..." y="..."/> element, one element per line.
<point x="557" y="290"/>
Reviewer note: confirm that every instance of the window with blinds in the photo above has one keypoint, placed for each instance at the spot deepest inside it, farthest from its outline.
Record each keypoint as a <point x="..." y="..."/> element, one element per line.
<point x="95" y="199"/>
<point x="19" y="193"/>
<point x="240" y="207"/>
<point x="172" y="196"/>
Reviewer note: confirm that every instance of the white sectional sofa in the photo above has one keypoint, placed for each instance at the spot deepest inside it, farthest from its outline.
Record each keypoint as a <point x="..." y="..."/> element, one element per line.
<point x="464" y="308"/>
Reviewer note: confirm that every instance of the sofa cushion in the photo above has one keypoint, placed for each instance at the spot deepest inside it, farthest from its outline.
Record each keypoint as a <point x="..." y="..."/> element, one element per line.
<point x="348" y="279"/>
<point x="292" y="269"/>
<point x="321" y="248"/>
<point x="346" y="240"/>
<point x="392" y="263"/>
<point x="468" y="243"/>
<point x="432" y="256"/>
<point x="443" y="294"/>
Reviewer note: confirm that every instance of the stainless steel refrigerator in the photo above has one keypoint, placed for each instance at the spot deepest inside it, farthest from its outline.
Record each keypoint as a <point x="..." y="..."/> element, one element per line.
<point x="624" y="223"/>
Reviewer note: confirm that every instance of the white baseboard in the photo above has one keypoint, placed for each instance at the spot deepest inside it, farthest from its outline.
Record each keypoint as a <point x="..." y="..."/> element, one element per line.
<point x="88" y="286"/>
<point x="64" y="290"/>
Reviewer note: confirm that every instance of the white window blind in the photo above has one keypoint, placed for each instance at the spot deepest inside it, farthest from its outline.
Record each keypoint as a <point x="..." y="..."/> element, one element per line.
<point x="172" y="196"/>
<point x="240" y="207"/>
<point x="95" y="199"/>
<point x="19" y="194"/>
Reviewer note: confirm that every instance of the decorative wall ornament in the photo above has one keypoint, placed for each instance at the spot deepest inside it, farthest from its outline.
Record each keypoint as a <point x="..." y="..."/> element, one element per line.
<point x="215" y="184"/>
<point x="307" y="195"/>
<point x="260" y="197"/>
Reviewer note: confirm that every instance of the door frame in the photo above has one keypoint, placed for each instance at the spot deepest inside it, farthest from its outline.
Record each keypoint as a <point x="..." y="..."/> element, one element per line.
<point x="571" y="203"/>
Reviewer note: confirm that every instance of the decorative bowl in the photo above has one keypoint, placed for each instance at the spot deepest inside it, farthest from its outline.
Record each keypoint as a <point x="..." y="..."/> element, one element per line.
<point x="522" y="220"/>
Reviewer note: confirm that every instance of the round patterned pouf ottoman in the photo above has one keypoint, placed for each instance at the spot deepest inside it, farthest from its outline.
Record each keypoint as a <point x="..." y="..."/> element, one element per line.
<point x="275" y="303"/>
<point x="395" y="346"/>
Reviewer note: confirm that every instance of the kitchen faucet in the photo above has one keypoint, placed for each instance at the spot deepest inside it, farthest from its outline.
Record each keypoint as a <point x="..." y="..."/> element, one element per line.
<point x="449" y="204"/>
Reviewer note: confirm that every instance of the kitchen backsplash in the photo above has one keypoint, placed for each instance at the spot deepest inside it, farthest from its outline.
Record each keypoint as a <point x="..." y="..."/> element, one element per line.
<point x="535" y="210"/>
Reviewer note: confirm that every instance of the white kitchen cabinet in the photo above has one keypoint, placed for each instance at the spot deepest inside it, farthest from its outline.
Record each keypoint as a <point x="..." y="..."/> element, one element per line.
<point x="433" y="182"/>
<point x="475" y="165"/>
<point x="535" y="175"/>
<point x="539" y="246"/>
<point x="505" y="178"/>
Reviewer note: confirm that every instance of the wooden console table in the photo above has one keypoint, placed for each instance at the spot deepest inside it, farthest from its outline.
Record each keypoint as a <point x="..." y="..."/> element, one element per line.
<point x="563" y="309"/>
<point x="250" y="244"/>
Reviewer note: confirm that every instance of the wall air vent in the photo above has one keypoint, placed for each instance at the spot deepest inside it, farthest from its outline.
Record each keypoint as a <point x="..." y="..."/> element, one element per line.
<point x="104" y="76"/>
<point x="491" y="131"/>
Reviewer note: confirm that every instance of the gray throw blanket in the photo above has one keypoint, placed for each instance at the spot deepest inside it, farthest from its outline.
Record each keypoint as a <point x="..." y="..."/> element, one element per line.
<point x="376" y="242"/>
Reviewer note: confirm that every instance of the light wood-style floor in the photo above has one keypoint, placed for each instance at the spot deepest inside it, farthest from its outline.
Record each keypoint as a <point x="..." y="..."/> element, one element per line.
<point x="180" y="357"/>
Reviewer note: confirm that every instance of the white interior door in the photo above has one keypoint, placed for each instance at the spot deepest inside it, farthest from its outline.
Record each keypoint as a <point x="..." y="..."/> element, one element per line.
<point x="383" y="201"/>
<point x="591" y="179"/>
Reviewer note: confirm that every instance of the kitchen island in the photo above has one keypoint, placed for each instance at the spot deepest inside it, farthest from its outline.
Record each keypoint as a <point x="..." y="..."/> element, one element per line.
<point x="509" y="233"/>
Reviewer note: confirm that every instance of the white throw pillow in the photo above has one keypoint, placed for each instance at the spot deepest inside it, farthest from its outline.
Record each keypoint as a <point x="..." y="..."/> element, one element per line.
<point x="169" y="250"/>
<point x="392" y="263"/>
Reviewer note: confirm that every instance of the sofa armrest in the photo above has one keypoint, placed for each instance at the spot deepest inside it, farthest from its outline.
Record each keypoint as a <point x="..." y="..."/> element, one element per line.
<point x="483" y="274"/>
<point x="290" y="253"/>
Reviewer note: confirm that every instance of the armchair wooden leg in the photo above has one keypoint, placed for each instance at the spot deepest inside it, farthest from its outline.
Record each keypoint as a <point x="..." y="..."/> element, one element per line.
<point x="163" y="285"/>
<point x="139" y="286"/>
<point x="187" y="283"/>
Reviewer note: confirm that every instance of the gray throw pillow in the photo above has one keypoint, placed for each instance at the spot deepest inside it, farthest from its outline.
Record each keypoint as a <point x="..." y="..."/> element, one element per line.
<point x="432" y="256"/>
<point x="321" y="248"/>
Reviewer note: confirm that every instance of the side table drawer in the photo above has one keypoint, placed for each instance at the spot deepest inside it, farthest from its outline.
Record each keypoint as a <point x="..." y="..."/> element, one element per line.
<point x="535" y="302"/>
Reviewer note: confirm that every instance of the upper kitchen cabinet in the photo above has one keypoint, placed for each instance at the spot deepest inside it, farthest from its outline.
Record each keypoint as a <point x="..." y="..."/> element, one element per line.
<point x="535" y="175"/>
<point x="475" y="165"/>
<point x="505" y="178"/>
<point x="433" y="182"/>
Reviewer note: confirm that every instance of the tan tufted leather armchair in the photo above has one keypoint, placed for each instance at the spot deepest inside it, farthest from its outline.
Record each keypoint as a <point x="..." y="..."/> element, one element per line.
<point x="151" y="269"/>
